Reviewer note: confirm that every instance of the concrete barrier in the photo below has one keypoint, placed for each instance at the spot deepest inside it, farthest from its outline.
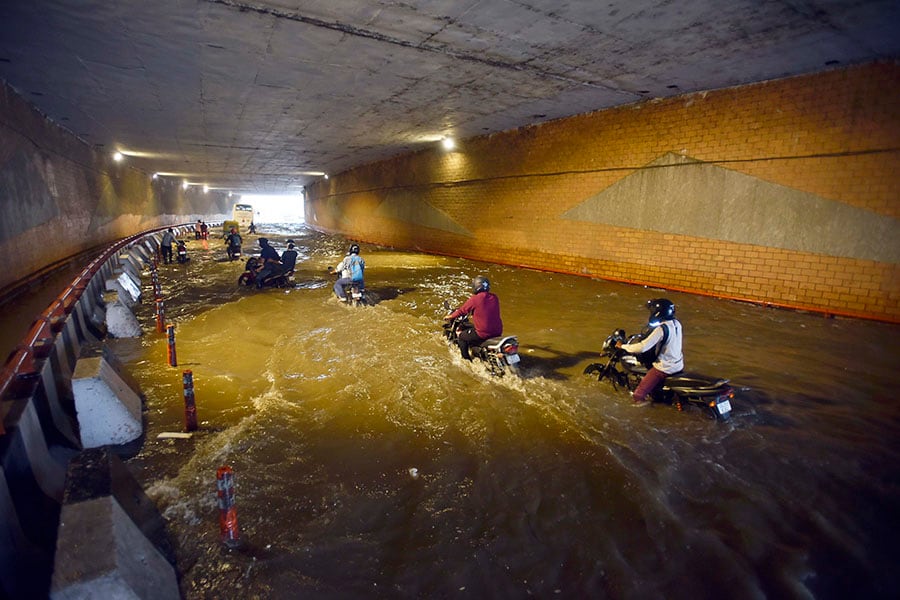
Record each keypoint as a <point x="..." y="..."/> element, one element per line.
<point x="109" y="411"/>
<point x="40" y="433"/>
<point x="25" y="567"/>
<point x="120" y="321"/>
<point x="128" y="289"/>
<point x="112" y="541"/>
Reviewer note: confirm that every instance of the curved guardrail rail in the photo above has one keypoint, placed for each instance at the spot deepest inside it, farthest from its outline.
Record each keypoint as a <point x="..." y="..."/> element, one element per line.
<point x="38" y="424"/>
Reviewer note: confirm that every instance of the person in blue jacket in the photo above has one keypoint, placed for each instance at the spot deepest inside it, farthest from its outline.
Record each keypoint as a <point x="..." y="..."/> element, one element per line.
<point x="352" y="270"/>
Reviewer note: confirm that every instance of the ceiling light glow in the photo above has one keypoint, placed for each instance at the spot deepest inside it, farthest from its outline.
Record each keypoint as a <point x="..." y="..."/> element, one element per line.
<point x="448" y="143"/>
<point x="118" y="156"/>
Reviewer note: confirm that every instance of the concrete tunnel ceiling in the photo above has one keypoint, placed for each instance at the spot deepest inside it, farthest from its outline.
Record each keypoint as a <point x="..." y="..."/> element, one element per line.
<point x="257" y="97"/>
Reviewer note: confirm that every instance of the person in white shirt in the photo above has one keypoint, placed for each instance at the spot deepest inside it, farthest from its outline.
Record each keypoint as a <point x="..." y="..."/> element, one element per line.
<point x="665" y="337"/>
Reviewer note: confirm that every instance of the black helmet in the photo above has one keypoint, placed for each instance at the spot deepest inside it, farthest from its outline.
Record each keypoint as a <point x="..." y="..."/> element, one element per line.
<point x="481" y="284"/>
<point x="354" y="249"/>
<point x="660" y="310"/>
<point x="263" y="241"/>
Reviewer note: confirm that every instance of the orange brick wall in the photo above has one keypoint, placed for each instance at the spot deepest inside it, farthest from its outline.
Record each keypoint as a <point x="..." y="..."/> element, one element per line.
<point x="835" y="134"/>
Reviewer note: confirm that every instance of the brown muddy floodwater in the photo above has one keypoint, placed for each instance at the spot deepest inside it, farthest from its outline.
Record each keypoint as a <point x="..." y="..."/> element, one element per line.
<point x="370" y="462"/>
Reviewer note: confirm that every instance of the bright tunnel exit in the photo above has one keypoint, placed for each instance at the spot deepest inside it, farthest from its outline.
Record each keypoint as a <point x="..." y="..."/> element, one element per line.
<point x="286" y="208"/>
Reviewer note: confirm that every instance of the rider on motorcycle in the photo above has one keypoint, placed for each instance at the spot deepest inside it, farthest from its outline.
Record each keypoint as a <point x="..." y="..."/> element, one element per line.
<point x="288" y="261"/>
<point x="352" y="269"/>
<point x="665" y="334"/>
<point x="484" y="307"/>
<point x="270" y="261"/>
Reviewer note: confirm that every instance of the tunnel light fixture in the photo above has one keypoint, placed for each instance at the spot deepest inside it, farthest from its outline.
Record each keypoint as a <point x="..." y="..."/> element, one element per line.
<point x="448" y="143"/>
<point x="184" y="184"/>
<point x="325" y="175"/>
<point x="205" y="189"/>
<point x="118" y="156"/>
<point x="156" y="176"/>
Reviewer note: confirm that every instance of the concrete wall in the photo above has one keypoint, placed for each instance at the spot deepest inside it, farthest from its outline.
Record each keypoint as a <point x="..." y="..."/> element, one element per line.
<point x="59" y="196"/>
<point x="783" y="193"/>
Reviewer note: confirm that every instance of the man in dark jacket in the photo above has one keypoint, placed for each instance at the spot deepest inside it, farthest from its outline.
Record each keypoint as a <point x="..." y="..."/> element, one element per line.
<point x="484" y="306"/>
<point x="270" y="261"/>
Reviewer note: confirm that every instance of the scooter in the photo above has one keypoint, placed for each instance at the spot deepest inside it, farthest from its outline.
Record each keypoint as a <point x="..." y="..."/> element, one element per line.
<point x="500" y="354"/>
<point x="683" y="390"/>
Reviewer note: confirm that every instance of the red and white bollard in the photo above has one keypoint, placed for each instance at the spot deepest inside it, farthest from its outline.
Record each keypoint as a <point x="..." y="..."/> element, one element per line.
<point x="190" y="407"/>
<point x="173" y="361"/>
<point x="160" y="315"/>
<point x="228" y="522"/>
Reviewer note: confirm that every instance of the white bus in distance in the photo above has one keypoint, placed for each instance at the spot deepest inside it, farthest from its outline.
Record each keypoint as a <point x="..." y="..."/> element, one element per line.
<point x="243" y="214"/>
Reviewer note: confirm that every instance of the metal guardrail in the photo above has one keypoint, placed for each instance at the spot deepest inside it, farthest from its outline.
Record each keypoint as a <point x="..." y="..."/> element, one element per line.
<point x="20" y="372"/>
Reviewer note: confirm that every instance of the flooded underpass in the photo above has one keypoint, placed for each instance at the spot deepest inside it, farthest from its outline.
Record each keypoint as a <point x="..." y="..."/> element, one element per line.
<point x="370" y="461"/>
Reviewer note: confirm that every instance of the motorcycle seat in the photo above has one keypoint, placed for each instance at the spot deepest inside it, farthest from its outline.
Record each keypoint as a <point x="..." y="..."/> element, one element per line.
<point x="695" y="383"/>
<point x="495" y="343"/>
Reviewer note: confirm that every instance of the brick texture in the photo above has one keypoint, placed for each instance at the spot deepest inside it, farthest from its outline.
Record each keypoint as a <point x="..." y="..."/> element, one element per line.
<point x="834" y="134"/>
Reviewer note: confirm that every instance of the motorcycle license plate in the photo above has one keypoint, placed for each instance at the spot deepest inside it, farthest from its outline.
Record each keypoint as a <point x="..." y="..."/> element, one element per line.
<point x="724" y="407"/>
<point x="512" y="359"/>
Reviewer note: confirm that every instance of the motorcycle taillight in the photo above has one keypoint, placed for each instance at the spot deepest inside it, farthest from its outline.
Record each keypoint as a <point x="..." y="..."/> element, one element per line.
<point x="511" y="349"/>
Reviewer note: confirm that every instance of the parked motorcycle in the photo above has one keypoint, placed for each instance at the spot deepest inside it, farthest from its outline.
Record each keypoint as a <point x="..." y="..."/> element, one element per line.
<point x="683" y="390"/>
<point x="500" y="354"/>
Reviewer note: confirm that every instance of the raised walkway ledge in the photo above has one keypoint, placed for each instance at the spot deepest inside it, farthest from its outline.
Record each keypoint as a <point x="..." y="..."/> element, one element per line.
<point x="73" y="522"/>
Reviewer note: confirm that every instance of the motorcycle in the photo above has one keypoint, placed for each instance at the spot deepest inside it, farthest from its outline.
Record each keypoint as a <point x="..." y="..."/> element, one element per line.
<point x="250" y="275"/>
<point x="354" y="291"/>
<point x="181" y="251"/>
<point x="683" y="390"/>
<point x="356" y="294"/>
<point x="500" y="354"/>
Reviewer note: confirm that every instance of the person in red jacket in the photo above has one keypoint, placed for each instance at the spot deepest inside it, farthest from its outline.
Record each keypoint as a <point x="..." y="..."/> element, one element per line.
<point x="484" y="306"/>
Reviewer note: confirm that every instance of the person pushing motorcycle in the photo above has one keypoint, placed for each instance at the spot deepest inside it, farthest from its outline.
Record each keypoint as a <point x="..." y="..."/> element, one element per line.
<point x="664" y="335"/>
<point x="484" y="306"/>
<point x="233" y="240"/>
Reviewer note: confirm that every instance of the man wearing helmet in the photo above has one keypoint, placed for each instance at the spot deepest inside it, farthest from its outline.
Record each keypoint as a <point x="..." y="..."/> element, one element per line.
<point x="484" y="306"/>
<point x="665" y="336"/>
<point x="352" y="269"/>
